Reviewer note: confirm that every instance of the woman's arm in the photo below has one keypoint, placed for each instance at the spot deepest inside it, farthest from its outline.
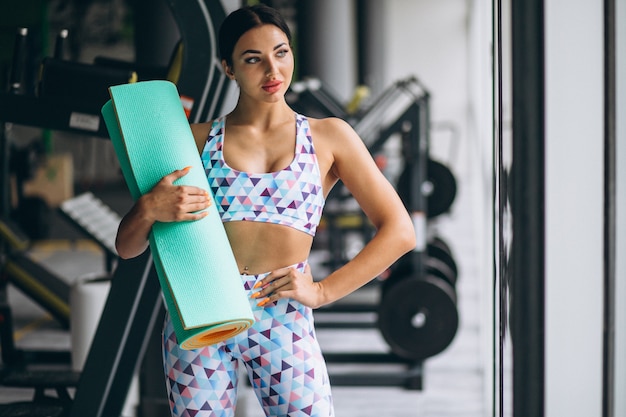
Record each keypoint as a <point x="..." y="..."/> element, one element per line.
<point x="166" y="202"/>
<point x="378" y="199"/>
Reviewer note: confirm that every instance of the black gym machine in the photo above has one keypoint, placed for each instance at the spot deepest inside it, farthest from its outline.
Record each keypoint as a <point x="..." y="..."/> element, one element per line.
<point x="134" y="305"/>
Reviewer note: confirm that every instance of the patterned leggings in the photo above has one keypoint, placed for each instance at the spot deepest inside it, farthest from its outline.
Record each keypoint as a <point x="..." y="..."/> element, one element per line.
<point x="280" y="353"/>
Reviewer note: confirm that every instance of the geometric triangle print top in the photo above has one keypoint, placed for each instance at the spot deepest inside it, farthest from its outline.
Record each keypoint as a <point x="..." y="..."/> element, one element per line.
<point x="292" y="196"/>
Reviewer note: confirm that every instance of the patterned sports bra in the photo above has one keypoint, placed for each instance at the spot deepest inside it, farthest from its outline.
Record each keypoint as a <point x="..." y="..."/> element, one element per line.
<point x="292" y="196"/>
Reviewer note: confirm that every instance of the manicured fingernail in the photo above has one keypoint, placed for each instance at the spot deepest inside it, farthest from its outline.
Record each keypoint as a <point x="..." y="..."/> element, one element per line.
<point x="258" y="284"/>
<point x="255" y="295"/>
<point x="187" y="168"/>
<point x="263" y="302"/>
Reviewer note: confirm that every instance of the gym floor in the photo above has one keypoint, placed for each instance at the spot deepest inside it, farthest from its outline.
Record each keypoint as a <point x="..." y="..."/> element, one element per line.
<point x="455" y="381"/>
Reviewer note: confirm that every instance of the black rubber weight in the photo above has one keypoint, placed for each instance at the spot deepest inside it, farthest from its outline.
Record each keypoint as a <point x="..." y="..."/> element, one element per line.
<point x="418" y="317"/>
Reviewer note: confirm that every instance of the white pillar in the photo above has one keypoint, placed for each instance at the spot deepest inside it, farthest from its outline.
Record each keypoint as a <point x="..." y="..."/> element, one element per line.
<point x="574" y="167"/>
<point x="330" y="45"/>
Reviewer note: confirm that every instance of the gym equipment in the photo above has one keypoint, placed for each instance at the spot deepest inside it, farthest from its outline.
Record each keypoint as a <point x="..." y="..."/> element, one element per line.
<point x="440" y="188"/>
<point x="202" y="84"/>
<point x="30" y="409"/>
<point x="311" y="97"/>
<point x="411" y="378"/>
<point x="18" y="68"/>
<point x="17" y="371"/>
<point x="50" y="292"/>
<point x="130" y="313"/>
<point x="425" y="185"/>
<point x="135" y="302"/>
<point x="60" y="78"/>
<point x="441" y="263"/>
<point x="432" y="265"/>
<point x="32" y="212"/>
<point x="375" y="124"/>
<point x="43" y="286"/>
<point x="18" y="106"/>
<point x="438" y="261"/>
<point x="437" y="267"/>
<point x="204" y="295"/>
<point x="59" y="105"/>
<point x="89" y="214"/>
<point x="345" y="233"/>
<point x="417" y="313"/>
<point x="37" y="282"/>
<point x="408" y="118"/>
<point x="417" y="316"/>
<point x="437" y="248"/>
<point x="41" y="380"/>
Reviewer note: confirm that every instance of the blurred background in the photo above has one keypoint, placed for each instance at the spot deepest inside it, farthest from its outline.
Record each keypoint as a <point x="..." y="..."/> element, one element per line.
<point x="514" y="236"/>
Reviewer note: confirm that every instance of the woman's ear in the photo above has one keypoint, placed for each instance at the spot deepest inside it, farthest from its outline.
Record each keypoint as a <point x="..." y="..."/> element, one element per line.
<point x="228" y="70"/>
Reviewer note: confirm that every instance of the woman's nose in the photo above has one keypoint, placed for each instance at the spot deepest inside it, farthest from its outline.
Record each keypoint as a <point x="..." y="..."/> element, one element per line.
<point x="271" y="68"/>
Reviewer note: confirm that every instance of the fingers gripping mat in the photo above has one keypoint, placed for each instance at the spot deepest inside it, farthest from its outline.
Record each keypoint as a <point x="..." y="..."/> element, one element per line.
<point x="197" y="270"/>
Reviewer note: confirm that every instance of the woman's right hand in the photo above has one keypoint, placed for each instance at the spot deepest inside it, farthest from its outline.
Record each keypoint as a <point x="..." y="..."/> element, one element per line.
<point x="166" y="202"/>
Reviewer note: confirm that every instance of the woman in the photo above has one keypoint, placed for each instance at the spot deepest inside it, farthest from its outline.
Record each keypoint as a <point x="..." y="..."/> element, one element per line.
<point x="270" y="198"/>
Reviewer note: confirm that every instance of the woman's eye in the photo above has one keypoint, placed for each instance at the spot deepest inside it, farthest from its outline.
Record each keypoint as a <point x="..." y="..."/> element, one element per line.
<point x="282" y="53"/>
<point x="252" y="60"/>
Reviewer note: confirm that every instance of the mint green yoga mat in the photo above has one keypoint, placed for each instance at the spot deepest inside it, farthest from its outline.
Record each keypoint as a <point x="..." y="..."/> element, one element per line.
<point x="197" y="270"/>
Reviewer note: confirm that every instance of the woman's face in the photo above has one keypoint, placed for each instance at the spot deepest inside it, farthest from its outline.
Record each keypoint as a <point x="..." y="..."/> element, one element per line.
<point x="262" y="63"/>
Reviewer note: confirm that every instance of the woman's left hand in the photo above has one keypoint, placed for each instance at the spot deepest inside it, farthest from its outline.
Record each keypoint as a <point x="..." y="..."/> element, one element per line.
<point x="289" y="283"/>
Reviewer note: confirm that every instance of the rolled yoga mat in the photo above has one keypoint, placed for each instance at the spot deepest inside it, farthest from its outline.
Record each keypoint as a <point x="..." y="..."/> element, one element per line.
<point x="196" y="267"/>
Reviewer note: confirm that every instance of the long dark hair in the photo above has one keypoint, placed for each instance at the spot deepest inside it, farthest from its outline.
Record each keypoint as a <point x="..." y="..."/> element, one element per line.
<point x="242" y="20"/>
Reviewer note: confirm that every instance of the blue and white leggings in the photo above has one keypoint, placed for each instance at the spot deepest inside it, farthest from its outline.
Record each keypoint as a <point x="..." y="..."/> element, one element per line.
<point x="280" y="353"/>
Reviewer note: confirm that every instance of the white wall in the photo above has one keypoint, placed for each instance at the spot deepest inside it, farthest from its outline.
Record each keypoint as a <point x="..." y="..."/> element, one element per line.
<point x="480" y="138"/>
<point x="574" y="202"/>
<point x="428" y="39"/>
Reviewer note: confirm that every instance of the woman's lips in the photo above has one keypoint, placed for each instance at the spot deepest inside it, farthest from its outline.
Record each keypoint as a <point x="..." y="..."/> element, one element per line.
<point x="272" y="87"/>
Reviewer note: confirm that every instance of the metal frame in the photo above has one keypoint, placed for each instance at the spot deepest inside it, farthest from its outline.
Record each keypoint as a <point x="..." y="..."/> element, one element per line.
<point x="610" y="209"/>
<point x="528" y="191"/>
<point x="201" y="79"/>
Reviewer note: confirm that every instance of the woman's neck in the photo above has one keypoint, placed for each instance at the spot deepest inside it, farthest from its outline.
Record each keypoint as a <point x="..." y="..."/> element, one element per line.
<point x="260" y="114"/>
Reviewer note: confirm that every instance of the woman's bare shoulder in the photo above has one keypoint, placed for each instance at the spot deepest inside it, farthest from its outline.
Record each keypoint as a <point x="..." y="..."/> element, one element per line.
<point x="200" y="133"/>
<point x="328" y="124"/>
<point x="333" y="129"/>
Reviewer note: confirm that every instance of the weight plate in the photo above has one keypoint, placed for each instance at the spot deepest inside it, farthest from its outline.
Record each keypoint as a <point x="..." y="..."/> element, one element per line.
<point x="418" y="317"/>
<point x="445" y="256"/>
<point x="443" y="186"/>
<point x="439" y="188"/>
<point x="438" y="268"/>
<point x="440" y="243"/>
